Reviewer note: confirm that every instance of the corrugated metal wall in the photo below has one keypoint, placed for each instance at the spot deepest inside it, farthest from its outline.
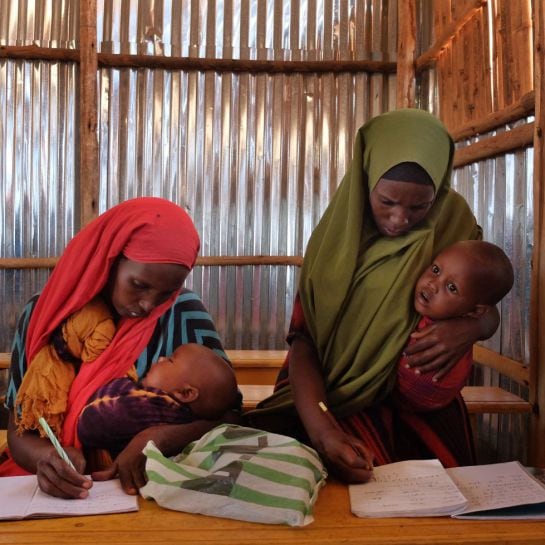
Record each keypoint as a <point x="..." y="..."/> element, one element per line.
<point x="38" y="139"/>
<point x="254" y="158"/>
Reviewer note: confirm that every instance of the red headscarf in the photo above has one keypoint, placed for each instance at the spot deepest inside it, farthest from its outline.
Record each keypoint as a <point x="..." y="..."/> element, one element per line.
<point x="148" y="230"/>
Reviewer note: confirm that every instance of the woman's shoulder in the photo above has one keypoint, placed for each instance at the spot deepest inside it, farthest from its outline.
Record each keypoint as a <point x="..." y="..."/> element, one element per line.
<point x="457" y="217"/>
<point x="457" y="201"/>
<point x="188" y="300"/>
<point x="187" y="295"/>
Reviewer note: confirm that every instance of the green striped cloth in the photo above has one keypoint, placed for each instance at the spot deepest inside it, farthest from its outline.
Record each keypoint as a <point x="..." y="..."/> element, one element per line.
<point x="239" y="473"/>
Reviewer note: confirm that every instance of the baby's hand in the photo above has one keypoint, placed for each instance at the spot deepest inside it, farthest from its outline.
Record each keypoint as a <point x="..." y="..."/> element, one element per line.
<point x="129" y="466"/>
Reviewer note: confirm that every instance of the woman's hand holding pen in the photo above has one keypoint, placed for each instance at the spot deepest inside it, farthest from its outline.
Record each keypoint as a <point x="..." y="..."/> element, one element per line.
<point x="57" y="478"/>
<point x="346" y="456"/>
<point x="38" y="455"/>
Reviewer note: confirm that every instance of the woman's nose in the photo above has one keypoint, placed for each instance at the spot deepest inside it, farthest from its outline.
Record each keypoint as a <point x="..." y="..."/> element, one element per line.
<point x="147" y="305"/>
<point x="400" y="218"/>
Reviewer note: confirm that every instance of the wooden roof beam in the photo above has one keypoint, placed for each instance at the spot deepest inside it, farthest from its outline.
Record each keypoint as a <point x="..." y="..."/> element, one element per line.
<point x="427" y="59"/>
<point x="518" y="110"/>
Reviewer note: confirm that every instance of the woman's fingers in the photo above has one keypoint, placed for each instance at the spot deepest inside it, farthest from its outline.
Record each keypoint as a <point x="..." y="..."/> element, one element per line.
<point x="57" y="478"/>
<point x="349" y="474"/>
<point x="77" y="458"/>
<point x="348" y="458"/>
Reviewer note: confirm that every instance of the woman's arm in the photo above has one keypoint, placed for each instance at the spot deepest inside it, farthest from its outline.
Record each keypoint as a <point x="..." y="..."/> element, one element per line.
<point x="346" y="455"/>
<point x="37" y="455"/>
<point x="438" y="347"/>
<point x="170" y="439"/>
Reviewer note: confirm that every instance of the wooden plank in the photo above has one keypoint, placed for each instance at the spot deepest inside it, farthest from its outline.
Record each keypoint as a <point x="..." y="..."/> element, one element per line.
<point x="112" y="60"/>
<point x="518" y="110"/>
<point x="5" y="360"/>
<point x="252" y="394"/>
<point x="518" y="46"/>
<point x="504" y="365"/>
<point x="457" y="84"/>
<point x="406" y="47"/>
<point x="259" y="358"/>
<point x="36" y="53"/>
<point x="478" y="399"/>
<point x="333" y="524"/>
<point x="511" y="71"/>
<point x="505" y="142"/>
<point x="257" y="367"/>
<point x="28" y="262"/>
<point x="427" y="59"/>
<point x="448" y="100"/>
<point x="524" y="41"/>
<point x="203" y="261"/>
<point x="502" y="53"/>
<point x="493" y="399"/>
<point x="256" y="372"/>
<point x="537" y="299"/>
<point x="466" y="69"/>
<point x="88" y="121"/>
<point x="239" y="261"/>
<point x="484" y="46"/>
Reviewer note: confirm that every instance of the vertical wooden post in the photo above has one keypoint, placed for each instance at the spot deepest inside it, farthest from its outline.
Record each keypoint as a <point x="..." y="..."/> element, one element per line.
<point x="537" y="304"/>
<point x="406" y="46"/>
<point x="88" y="121"/>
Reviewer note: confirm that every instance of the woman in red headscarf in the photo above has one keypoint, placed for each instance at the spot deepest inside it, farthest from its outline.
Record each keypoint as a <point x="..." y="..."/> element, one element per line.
<point x="133" y="261"/>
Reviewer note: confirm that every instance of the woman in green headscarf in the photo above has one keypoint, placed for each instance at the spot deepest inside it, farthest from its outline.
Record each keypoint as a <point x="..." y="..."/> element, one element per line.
<point x="392" y="213"/>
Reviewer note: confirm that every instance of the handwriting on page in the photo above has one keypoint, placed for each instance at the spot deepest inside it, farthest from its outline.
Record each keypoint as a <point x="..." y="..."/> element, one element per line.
<point x="407" y="487"/>
<point x="104" y="497"/>
<point x="497" y="485"/>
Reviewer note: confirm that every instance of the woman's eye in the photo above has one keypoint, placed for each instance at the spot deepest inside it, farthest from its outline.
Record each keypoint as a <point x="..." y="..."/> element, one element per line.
<point x="435" y="269"/>
<point x="452" y="287"/>
<point x="137" y="284"/>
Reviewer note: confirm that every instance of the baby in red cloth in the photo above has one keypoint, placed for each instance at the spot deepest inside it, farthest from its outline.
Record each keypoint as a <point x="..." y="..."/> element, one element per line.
<point x="463" y="280"/>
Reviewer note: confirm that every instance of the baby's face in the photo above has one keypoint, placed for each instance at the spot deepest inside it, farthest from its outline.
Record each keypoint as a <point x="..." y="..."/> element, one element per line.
<point x="448" y="288"/>
<point x="168" y="373"/>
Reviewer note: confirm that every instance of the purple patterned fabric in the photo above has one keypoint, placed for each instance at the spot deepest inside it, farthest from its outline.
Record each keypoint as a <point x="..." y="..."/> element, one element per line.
<point x="122" y="408"/>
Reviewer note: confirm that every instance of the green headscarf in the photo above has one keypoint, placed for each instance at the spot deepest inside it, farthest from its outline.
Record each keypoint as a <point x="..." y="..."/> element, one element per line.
<point x="356" y="286"/>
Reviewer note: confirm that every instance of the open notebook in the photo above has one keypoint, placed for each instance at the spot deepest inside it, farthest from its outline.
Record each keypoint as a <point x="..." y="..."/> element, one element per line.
<point x="21" y="498"/>
<point x="424" y="488"/>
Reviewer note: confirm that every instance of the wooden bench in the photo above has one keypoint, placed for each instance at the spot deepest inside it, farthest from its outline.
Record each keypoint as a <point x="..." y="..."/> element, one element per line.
<point x="256" y="372"/>
<point x="257" y="369"/>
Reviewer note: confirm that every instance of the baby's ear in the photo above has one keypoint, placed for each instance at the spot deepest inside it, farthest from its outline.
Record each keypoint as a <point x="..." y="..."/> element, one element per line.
<point x="479" y="310"/>
<point x="186" y="394"/>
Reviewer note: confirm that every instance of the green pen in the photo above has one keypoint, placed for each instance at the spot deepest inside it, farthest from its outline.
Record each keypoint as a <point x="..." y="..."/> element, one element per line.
<point x="55" y="441"/>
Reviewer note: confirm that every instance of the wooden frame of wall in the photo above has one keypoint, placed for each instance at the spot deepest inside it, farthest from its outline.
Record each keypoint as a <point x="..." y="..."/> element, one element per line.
<point x="407" y="68"/>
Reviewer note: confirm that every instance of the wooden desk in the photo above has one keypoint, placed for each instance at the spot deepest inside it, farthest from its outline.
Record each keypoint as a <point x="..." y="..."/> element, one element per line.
<point x="333" y="524"/>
